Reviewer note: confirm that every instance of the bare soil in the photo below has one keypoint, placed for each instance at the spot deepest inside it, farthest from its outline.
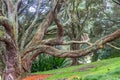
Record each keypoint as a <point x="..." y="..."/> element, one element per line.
<point x="37" y="77"/>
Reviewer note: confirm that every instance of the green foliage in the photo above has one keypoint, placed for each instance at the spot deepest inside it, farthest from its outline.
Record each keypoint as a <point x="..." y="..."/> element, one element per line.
<point x="107" y="52"/>
<point x="46" y="62"/>
<point x="101" y="54"/>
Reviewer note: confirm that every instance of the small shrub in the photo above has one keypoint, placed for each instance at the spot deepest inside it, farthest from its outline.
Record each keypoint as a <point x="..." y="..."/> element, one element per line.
<point x="45" y="62"/>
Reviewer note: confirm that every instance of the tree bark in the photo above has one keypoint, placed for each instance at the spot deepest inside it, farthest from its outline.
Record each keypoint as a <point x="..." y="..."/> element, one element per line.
<point x="74" y="60"/>
<point x="12" y="70"/>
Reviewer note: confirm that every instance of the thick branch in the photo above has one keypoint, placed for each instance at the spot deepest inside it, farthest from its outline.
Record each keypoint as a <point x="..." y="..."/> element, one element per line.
<point x="8" y="27"/>
<point x="3" y="40"/>
<point x="57" y="42"/>
<point x="59" y="53"/>
<point x="77" y="53"/>
<point x="34" y="56"/>
<point x="60" y="27"/>
<point x="112" y="36"/>
<point x="42" y="29"/>
<point x="117" y="2"/>
<point x="10" y="9"/>
<point x="45" y="24"/>
<point x="8" y="42"/>
<point x="25" y="35"/>
<point x="22" y="9"/>
<point x="17" y="5"/>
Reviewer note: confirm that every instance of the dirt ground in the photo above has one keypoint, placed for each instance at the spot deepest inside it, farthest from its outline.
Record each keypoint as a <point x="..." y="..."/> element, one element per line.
<point x="37" y="77"/>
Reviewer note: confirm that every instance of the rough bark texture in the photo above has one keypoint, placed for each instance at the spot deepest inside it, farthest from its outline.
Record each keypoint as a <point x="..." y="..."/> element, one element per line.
<point x="12" y="70"/>
<point x="77" y="53"/>
<point x="75" y="60"/>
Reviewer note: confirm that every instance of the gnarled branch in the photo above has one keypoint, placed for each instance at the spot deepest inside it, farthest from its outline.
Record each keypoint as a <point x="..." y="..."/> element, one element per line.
<point x="77" y="53"/>
<point x="60" y="27"/>
<point x="29" y="28"/>
<point x="41" y="29"/>
<point x="44" y="25"/>
<point x="3" y="40"/>
<point x="57" y="42"/>
<point x="7" y="25"/>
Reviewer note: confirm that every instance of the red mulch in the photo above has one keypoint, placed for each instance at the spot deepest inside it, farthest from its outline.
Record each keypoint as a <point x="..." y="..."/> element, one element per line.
<point x="37" y="77"/>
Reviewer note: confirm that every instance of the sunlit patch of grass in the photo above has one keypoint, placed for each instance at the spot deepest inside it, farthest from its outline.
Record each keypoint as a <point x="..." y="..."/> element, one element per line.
<point x="111" y="75"/>
<point x="102" y="70"/>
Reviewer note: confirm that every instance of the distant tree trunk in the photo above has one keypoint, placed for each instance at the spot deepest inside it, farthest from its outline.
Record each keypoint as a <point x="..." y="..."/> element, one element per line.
<point x="75" y="60"/>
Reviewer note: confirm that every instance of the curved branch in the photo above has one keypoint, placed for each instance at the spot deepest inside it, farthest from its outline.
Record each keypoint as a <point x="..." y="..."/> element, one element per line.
<point x="18" y="3"/>
<point x="25" y="35"/>
<point x="41" y="30"/>
<point x="53" y="42"/>
<point x="77" y="42"/>
<point x="10" y="9"/>
<point x="59" y="53"/>
<point x="4" y="5"/>
<point x="113" y="46"/>
<point x="44" y="25"/>
<point x="22" y="9"/>
<point x="3" y="40"/>
<point x="76" y="53"/>
<point x="60" y="27"/>
<point x="8" y="42"/>
<point x="56" y="20"/>
<point x="57" y="42"/>
<point x="116" y="2"/>
<point x="34" y="56"/>
<point x="28" y="51"/>
<point x="8" y="27"/>
<point x="111" y="37"/>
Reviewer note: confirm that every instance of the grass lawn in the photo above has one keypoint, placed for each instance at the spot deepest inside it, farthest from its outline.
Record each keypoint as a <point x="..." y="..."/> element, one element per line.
<point x="108" y="69"/>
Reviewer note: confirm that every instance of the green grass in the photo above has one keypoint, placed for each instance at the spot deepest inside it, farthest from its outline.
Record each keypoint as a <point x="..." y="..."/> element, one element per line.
<point x="101" y="70"/>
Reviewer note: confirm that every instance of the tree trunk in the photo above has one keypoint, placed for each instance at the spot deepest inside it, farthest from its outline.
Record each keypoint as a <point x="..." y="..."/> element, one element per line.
<point x="74" y="60"/>
<point x="15" y="66"/>
<point x="12" y="66"/>
<point x="14" y="70"/>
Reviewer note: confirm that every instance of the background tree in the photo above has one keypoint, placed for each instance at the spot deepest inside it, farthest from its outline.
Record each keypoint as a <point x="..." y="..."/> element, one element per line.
<point x="109" y="23"/>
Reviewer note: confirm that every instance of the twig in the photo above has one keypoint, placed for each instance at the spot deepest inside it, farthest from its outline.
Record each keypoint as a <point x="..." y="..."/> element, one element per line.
<point x="113" y="46"/>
